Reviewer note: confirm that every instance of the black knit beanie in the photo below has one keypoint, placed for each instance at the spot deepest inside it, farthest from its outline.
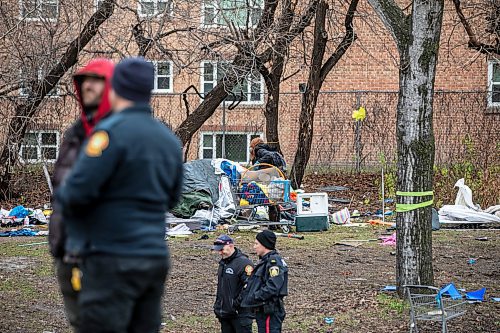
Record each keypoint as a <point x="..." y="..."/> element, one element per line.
<point x="267" y="239"/>
<point x="133" y="79"/>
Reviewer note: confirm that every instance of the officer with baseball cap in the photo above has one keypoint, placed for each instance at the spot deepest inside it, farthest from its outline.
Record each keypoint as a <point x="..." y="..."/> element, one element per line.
<point x="234" y="270"/>
<point x="268" y="285"/>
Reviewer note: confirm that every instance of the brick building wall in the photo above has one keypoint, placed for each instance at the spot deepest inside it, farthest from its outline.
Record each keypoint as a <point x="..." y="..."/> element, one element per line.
<point x="367" y="75"/>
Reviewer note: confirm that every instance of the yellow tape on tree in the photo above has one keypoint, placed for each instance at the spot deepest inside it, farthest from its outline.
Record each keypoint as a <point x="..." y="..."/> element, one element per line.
<point x="401" y="208"/>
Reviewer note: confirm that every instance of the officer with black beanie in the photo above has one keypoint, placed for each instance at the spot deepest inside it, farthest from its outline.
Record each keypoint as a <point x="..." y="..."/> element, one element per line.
<point x="268" y="285"/>
<point x="127" y="176"/>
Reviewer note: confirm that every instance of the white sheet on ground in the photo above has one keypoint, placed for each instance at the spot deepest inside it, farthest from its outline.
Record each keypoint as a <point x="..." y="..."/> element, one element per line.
<point x="180" y="229"/>
<point x="465" y="211"/>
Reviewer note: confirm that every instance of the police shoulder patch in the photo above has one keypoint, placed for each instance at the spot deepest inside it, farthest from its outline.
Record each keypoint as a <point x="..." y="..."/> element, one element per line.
<point x="97" y="143"/>
<point x="248" y="269"/>
<point x="274" y="271"/>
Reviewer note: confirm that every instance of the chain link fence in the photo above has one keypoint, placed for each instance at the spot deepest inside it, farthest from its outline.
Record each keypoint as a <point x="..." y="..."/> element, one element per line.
<point x="465" y="129"/>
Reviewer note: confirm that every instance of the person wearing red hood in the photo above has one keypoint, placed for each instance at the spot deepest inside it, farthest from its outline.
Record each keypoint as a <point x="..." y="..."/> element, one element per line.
<point x="92" y="84"/>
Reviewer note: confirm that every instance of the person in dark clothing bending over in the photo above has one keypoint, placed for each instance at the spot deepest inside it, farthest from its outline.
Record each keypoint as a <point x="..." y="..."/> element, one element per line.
<point x="268" y="285"/>
<point x="263" y="153"/>
<point x="234" y="270"/>
<point x="92" y="84"/>
<point x="127" y="176"/>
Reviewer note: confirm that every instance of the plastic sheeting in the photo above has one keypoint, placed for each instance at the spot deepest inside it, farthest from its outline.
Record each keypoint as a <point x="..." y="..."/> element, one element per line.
<point x="199" y="175"/>
<point x="464" y="210"/>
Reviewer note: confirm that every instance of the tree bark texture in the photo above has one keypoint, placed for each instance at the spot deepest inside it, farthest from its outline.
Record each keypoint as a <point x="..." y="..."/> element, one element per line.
<point x="26" y="111"/>
<point x="417" y="37"/>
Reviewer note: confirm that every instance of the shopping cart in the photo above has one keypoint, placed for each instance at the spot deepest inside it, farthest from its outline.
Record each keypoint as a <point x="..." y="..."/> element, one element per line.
<point x="261" y="185"/>
<point x="428" y="304"/>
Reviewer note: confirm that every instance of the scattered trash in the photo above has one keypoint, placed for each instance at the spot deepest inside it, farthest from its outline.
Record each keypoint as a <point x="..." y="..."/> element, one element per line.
<point x="380" y="222"/>
<point x="179" y="230"/>
<point x="389" y="240"/>
<point x="476" y="296"/>
<point x="389" y="200"/>
<point x="353" y="242"/>
<point x="483" y="239"/>
<point x="33" y="244"/>
<point x="355" y="213"/>
<point x="203" y="237"/>
<point x="465" y="211"/>
<point x="393" y="253"/>
<point x="341" y="217"/>
<point x="329" y="320"/>
<point x="471" y="261"/>
<point x="332" y="188"/>
<point x="451" y="291"/>
<point x="19" y="212"/>
<point x="340" y="200"/>
<point x="22" y="232"/>
<point x="495" y="299"/>
<point x="389" y="288"/>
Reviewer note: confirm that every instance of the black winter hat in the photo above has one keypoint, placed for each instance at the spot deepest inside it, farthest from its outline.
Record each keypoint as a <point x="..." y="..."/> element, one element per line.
<point x="133" y="79"/>
<point x="267" y="239"/>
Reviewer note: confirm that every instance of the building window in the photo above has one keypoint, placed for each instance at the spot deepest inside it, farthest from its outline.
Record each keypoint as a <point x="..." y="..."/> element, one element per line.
<point x="494" y="83"/>
<point x="241" y="13"/>
<point x="40" y="146"/>
<point x="26" y="84"/>
<point x="154" y="7"/>
<point x="39" y="9"/>
<point x="163" y="77"/>
<point x="250" y="91"/>
<point x="235" y="144"/>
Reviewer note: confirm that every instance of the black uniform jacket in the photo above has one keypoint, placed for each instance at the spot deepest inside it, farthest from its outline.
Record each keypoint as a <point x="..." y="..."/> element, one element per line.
<point x="268" y="282"/>
<point x="127" y="176"/>
<point x="232" y="276"/>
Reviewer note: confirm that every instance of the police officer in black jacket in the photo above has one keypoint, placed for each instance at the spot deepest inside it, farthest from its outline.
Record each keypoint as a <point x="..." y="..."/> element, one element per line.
<point x="127" y="176"/>
<point x="268" y="285"/>
<point x="234" y="270"/>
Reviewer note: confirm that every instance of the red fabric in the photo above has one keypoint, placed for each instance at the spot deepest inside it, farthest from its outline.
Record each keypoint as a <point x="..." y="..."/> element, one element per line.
<point x="268" y="322"/>
<point x="100" y="67"/>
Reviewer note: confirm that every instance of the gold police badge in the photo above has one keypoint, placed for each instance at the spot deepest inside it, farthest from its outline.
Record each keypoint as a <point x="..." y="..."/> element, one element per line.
<point x="274" y="271"/>
<point x="248" y="269"/>
<point x="98" y="142"/>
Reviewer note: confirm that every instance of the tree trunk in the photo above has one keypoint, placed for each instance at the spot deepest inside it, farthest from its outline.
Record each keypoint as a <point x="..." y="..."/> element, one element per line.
<point x="242" y="66"/>
<point x="417" y="37"/>
<point x="317" y="76"/>
<point x="415" y="142"/>
<point x="25" y="112"/>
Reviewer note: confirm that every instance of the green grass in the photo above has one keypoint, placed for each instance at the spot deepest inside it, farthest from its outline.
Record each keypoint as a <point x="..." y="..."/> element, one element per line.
<point x="388" y="304"/>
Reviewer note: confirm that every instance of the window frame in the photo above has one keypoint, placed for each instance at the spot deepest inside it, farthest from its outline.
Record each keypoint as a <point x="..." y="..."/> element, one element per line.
<point x="39" y="12"/>
<point x="214" y="134"/>
<point x="248" y="101"/>
<point x="491" y="64"/>
<point x="218" y="24"/>
<point x="39" y="146"/>
<point x="22" y="91"/>
<point x="171" y="77"/>
<point x="155" y="11"/>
